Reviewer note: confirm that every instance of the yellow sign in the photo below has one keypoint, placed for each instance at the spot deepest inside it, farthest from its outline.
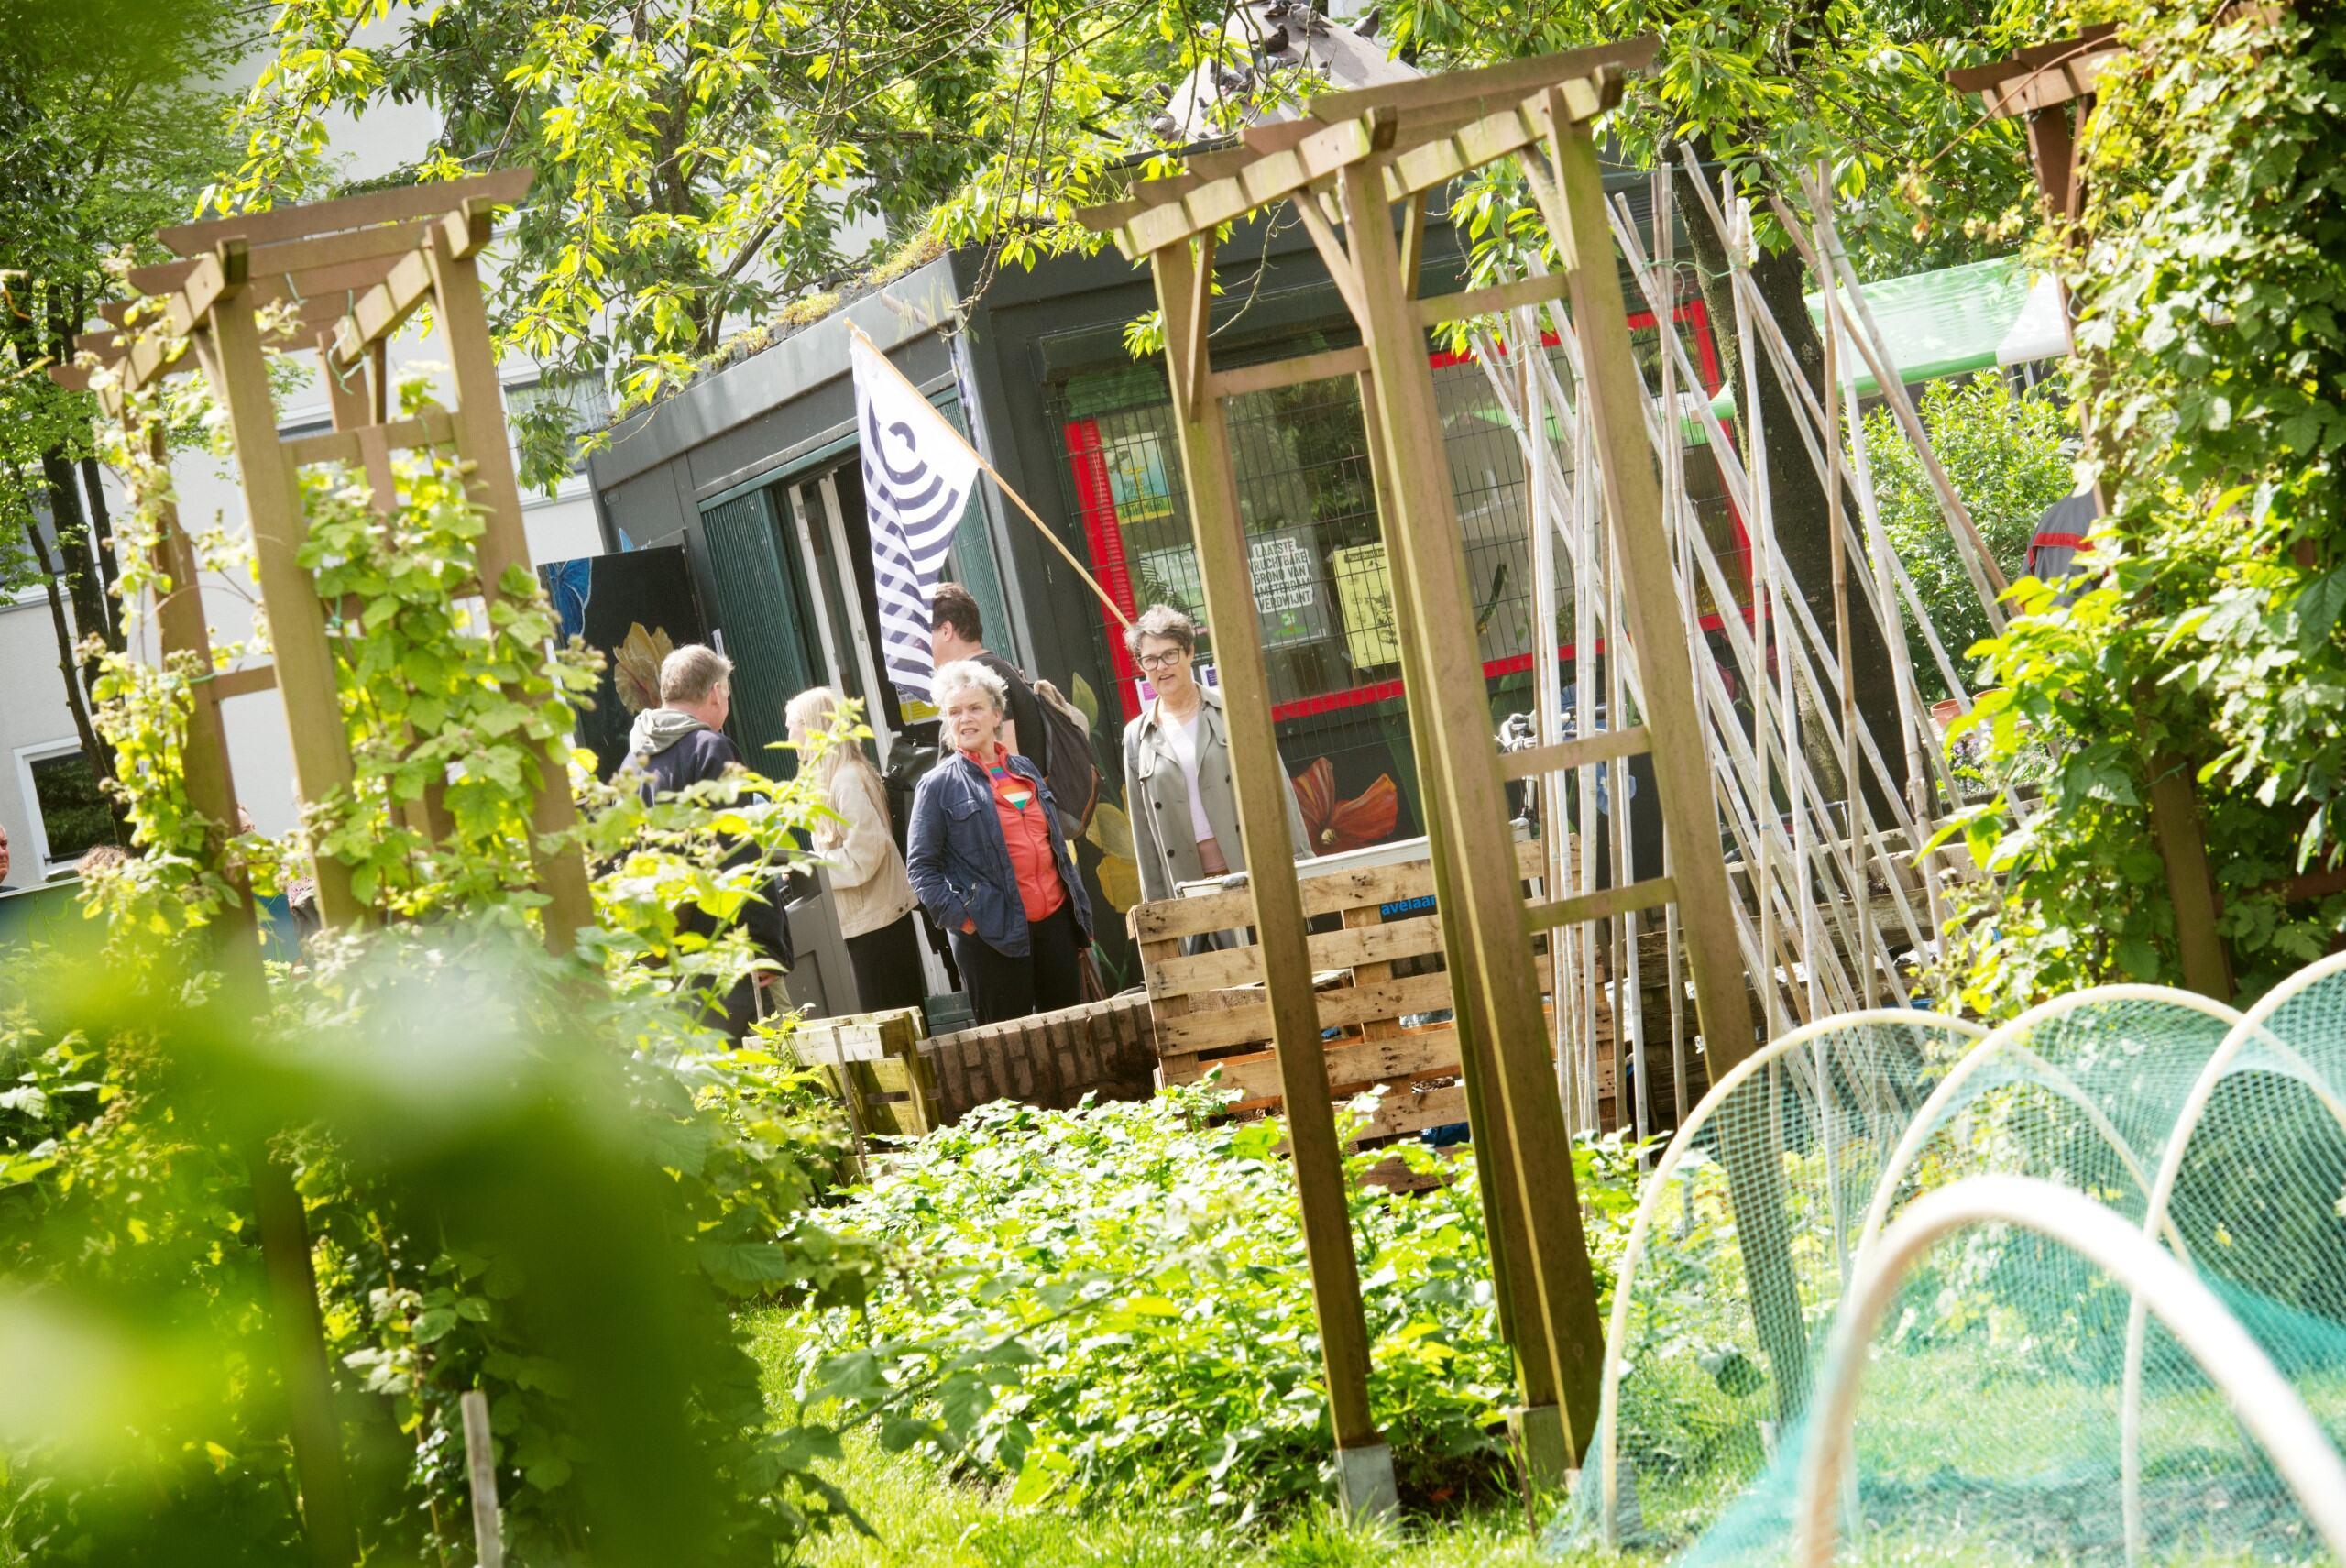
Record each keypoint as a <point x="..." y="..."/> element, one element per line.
<point x="1365" y="595"/>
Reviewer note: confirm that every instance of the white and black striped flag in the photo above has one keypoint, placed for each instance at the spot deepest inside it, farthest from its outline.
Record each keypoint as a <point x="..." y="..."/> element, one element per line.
<point x="916" y="476"/>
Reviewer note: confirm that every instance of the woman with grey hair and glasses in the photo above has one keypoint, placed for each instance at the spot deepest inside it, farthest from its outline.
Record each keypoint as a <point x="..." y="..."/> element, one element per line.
<point x="988" y="861"/>
<point x="1177" y="778"/>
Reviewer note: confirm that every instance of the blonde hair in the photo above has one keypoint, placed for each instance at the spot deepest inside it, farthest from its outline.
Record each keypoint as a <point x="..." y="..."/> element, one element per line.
<point x="816" y="712"/>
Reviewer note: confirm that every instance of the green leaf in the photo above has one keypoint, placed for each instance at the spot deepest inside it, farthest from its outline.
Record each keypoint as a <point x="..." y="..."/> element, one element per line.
<point x="2318" y="606"/>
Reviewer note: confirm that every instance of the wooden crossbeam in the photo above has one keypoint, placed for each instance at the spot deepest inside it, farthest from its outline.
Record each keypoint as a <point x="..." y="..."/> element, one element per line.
<point x="1516" y="79"/>
<point x="1417" y="157"/>
<point x="501" y="187"/>
<point x="1604" y="746"/>
<point x="251" y="678"/>
<point x="1293" y="372"/>
<point x="1650" y="893"/>
<point x="432" y="427"/>
<point x="381" y="310"/>
<point x="1260" y="183"/>
<point x="2041" y="75"/>
<point x="1495" y="135"/>
<point x="1279" y="136"/>
<point x="1487" y="301"/>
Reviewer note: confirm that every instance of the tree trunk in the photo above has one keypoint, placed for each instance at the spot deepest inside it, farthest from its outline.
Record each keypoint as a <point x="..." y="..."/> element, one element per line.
<point x="102" y="543"/>
<point x="1796" y="494"/>
<point x="63" y="629"/>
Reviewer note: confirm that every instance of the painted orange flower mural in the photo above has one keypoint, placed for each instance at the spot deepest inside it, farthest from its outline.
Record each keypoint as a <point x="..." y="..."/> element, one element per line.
<point x="1333" y="826"/>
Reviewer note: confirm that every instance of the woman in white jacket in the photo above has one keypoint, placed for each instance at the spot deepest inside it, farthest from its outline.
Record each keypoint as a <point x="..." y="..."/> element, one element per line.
<point x="869" y="888"/>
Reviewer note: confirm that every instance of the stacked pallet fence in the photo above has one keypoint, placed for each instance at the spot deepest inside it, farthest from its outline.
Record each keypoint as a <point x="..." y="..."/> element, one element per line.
<point x="1383" y="1000"/>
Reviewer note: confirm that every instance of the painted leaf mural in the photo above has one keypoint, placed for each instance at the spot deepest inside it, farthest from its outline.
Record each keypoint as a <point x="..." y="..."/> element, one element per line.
<point x="1111" y="833"/>
<point x="1332" y="826"/>
<point x="635" y="667"/>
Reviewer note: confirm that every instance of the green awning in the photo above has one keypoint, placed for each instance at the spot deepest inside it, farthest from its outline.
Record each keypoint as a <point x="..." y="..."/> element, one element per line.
<point x="1959" y="319"/>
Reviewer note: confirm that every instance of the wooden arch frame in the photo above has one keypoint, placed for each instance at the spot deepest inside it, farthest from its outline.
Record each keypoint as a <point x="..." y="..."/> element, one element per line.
<point x="1346" y="163"/>
<point x="354" y="270"/>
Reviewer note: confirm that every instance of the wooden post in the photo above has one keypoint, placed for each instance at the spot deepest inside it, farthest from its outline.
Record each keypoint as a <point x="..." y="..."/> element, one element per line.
<point x="481" y="440"/>
<point x="1485" y="938"/>
<point x="1366" y="1463"/>
<point x="1613" y="400"/>
<point x="1681" y="773"/>
<point x="299" y="1331"/>
<point x="480" y="1471"/>
<point x="297" y="624"/>
<point x="1498" y="1185"/>
<point x="353" y="412"/>
<point x="211" y="780"/>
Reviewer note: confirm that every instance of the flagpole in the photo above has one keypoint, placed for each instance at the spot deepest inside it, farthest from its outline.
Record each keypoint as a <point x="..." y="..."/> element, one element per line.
<point x="1003" y="486"/>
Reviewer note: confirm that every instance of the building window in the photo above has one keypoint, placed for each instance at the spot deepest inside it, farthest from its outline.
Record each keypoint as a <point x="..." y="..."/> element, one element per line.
<point x="67" y="807"/>
<point x="1322" y="585"/>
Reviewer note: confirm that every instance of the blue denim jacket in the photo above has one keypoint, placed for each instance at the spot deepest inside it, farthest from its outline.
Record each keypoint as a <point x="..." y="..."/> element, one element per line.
<point x="960" y="864"/>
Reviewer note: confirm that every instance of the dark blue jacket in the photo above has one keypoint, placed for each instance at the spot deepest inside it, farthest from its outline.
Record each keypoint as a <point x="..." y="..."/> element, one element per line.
<point x="960" y="864"/>
<point x="696" y="757"/>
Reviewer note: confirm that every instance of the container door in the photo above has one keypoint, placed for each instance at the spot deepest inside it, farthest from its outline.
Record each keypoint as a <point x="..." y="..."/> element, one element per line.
<point x="768" y="623"/>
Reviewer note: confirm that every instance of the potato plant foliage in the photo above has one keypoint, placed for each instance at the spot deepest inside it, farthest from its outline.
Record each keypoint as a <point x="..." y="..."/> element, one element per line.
<point x="1113" y="1303"/>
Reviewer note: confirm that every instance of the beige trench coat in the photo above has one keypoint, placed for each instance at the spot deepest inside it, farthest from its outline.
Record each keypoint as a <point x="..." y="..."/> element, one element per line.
<point x="1156" y="797"/>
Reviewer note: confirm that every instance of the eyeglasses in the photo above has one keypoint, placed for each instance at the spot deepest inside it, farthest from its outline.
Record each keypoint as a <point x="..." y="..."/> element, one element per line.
<point x="1165" y="660"/>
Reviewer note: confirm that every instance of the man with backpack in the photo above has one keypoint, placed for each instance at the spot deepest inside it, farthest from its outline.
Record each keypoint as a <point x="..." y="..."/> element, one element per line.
<point x="681" y="743"/>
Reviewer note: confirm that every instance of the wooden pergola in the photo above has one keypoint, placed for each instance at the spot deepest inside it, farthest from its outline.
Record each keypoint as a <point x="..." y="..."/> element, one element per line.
<point x="346" y="275"/>
<point x="1344" y="167"/>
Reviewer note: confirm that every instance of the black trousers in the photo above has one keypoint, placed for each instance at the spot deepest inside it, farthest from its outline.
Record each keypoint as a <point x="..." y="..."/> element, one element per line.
<point x="1048" y="978"/>
<point x="887" y="967"/>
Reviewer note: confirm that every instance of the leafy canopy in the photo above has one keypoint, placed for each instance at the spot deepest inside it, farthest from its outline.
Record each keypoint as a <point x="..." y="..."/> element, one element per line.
<point x="2009" y="455"/>
<point x="2212" y="288"/>
<point x="702" y="164"/>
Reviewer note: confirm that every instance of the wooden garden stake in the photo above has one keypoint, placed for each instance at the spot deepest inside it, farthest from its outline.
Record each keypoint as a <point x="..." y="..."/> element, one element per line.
<point x="480" y="1471"/>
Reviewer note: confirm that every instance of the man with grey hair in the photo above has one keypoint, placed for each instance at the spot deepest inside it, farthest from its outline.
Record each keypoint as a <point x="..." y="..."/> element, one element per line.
<point x="681" y="743"/>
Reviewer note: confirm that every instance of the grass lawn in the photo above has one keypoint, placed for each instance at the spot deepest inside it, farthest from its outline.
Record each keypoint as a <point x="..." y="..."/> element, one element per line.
<point x="923" y="1518"/>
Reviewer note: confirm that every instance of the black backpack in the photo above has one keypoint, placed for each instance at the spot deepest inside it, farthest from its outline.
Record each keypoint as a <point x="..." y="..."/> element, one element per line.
<point x="1073" y="773"/>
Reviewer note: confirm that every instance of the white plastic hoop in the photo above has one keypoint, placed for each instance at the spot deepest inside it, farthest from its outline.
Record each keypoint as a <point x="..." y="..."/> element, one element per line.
<point x="2262" y="1399"/>
<point x="2249" y="1030"/>
<point x="2004" y="1041"/>
<point x="1640" y="1225"/>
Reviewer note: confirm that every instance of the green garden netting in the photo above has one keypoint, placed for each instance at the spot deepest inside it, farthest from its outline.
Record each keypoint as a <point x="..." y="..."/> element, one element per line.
<point x="2019" y="1405"/>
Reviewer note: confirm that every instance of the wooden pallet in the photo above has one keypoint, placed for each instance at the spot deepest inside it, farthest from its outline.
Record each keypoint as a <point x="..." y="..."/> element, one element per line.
<point x="873" y="1063"/>
<point x="1378" y="964"/>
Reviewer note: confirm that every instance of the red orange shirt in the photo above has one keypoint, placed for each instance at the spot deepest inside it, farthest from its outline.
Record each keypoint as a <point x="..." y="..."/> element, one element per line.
<point x="1018" y="804"/>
